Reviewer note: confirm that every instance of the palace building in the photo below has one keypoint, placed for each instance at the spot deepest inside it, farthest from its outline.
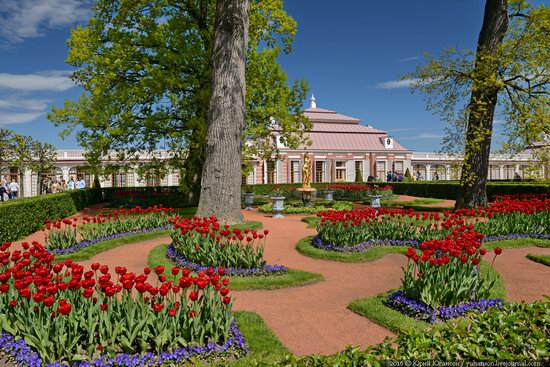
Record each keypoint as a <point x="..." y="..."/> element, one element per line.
<point x="341" y="148"/>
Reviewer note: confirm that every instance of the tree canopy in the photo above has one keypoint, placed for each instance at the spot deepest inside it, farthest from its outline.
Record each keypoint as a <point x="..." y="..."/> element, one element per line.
<point x="145" y="68"/>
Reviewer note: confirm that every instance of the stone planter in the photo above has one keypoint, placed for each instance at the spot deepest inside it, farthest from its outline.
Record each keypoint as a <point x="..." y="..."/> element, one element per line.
<point x="375" y="201"/>
<point x="329" y="195"/>
<point x="248" y="200"/>
<point x="278" y="206"/>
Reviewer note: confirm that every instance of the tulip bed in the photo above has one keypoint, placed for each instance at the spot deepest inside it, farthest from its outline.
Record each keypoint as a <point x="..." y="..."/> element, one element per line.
<point x="358" y="191"/>
<point x="358" y="229"/>
<point x="202" y="242"/>
<point x="94" y="318"/>
<point x="70" y="235"/>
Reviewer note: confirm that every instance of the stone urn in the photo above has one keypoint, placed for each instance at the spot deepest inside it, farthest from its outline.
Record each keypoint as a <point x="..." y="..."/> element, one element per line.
<point x="278" y="206"/>
<point x="248" y="200"/>
<point x="329" y="195"/>
<point x="375" y="201"/>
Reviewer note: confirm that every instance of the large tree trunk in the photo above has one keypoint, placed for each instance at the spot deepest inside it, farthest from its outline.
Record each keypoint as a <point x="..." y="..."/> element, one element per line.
<point x="221" y="176"/>
<point x="473" y="181"/>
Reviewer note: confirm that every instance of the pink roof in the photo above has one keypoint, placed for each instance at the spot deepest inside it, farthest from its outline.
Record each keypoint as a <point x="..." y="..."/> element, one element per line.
<point x="322" y="115"/>
<point x="351" y="142"/>
<point x="345" y="128"/>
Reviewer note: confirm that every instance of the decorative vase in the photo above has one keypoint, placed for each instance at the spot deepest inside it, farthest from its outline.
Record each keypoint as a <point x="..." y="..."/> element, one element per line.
<point x="328" y="195"/>
<point x="375" y="201"/>
<point x="278" y="206"/>
<point x="248" y="200"/>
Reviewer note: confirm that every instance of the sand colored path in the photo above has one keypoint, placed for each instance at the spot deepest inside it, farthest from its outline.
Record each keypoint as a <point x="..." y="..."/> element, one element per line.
<point x="314" y="318"/>
<point x="444" y="203"/>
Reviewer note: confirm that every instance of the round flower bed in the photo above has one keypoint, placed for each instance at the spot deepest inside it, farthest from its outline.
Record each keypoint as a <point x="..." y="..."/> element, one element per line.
<point x="299" y="208"/>
<point x="95" y="318"/>
<point x="201" y="242"/>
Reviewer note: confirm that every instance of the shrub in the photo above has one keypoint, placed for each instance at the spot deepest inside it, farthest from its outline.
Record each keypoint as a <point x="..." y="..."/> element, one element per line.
<point x="90" y="314"/>
<point x="28" y="215"/>
<point x="202" y="241"/>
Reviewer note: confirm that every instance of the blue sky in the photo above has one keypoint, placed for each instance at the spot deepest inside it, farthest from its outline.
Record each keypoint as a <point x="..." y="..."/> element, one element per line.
<point x="351" y="54"/>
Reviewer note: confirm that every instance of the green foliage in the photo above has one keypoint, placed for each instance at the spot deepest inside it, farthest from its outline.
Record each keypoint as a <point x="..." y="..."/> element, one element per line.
<point x="542" y="259"/>
<point x="146" y="71"/>
<point x="298" y="207"/>
<point x="29" y="214"/>
<point x="305" y="247"/>
<point x="408" y="176"/>
<point x="358" y="175"/>
<point x="517" y="332"/>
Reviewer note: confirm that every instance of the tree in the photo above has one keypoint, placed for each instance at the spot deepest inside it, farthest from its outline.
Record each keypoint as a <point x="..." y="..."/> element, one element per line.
<point x="6" y="137"/>
<point x="42" y="157"/>
<point x="408" y="177"/>
<point x="221" y="176"/>
<point x="20" y="157"/>
<point x="358" y="174"/>
<point x="146" y="70"/>
<point x="507" y="75"/>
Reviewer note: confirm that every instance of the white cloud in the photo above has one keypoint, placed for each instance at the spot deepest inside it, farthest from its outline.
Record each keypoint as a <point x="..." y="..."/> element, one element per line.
<point x="402" y="129"/>
<point x="20" y="19"/>
<point x="27" y="104"/>
<point x="423" y="136"/>
<point x="8" y="118"/>
<point x="397" y="84"/>
<point x="55" y="80"/>
<point x="412" y="58"/>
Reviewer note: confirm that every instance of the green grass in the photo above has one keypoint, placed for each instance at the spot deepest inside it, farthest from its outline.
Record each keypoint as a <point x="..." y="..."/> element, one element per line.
<point x="305" y="247"/>
<point x="543" y="259"/>
<point x="312" y="222"/>
<point x="419" y="201"/>
<point x="293" y="278"/>
<point x="517" y="243"/>
<point x="375" y="310"/>
<point x="90" y="251"/>
<point x="264" y="346"/>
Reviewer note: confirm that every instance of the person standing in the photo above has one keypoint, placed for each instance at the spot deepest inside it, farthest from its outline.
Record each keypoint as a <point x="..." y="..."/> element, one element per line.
<point x="13" y="189"/>
<point x="81" y="184"/>
<point x="71" y="184"/>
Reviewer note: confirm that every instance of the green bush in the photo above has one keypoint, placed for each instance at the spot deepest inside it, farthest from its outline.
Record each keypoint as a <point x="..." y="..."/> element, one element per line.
<point x="24" y="216"/>
<point x="449" y="189"/>
<point x="168" y="196"/>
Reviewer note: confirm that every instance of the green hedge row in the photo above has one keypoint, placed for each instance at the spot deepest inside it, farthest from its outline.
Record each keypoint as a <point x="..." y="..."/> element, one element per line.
<point x="24" y="216"/>
<point x="432" y="189"/>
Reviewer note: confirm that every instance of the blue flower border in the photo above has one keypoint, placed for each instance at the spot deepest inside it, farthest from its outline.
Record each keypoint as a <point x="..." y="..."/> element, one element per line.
<point x="319" y="243"/>
<point x="181" y="261"/>
<point x="84" y="244"/>
<point x="24" y="356"/>
<point x="422" y="311"/>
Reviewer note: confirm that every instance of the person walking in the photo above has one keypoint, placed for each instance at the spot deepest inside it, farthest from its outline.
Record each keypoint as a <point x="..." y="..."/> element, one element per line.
<point x="13" y="189"/>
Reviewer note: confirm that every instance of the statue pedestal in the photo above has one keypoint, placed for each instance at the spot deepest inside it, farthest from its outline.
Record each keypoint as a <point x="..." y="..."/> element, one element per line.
<point x="306" y="195"/>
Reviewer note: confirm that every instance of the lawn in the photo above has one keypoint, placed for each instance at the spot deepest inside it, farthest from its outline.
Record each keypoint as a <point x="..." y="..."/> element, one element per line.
<point x="543" y="259"/>
<point x="292" y="278"/>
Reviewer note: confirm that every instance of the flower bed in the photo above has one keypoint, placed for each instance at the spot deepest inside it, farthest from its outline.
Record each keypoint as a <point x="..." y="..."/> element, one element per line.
<point x="72" y="234"/>
<point x="93" y="316"/>
<point x="358" y="191"/>
<point x="319" y="243"/>
<point x="515" y="218"/>
<point x="83" y="244"/>
<point x="299" y="208"/>
<point x="200" y="242"/>
<point x="266" y="269"/>
<point x="422" y="311"/>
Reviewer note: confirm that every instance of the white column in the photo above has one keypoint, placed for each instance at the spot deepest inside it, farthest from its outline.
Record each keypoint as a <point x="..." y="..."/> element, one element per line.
<point x="501" y="172"/>
<point x="428" y="172"/>
<point x="27" y="182"/>
<point x="447" y="172"/>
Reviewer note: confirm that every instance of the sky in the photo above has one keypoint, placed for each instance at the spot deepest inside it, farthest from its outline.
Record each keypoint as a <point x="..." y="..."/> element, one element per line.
<point x="351" y="53"/>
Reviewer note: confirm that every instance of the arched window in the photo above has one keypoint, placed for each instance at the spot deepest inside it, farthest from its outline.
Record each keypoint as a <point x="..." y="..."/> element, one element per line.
<point x="78" y="172"/>
<point x="419" y="170"/>
<point x="46" y="182"/>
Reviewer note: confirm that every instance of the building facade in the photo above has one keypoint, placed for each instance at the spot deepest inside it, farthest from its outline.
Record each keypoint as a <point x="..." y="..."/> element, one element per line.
<point x="341" y="150"/>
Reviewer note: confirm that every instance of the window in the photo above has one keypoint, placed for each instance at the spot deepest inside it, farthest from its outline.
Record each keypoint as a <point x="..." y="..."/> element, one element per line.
<point x="319" y="171"/>
<point x="438" y="172"/>
<point x="381" y="170"/>
<point x="419" y="171"/>
<point x="398" y="167"/>
<point x="340" y="171"/>
<point x="270" y="172"/>
<point x="78" y="172"/>
<point x="120" y="179"/>
<point x="359" y="171"/>
<point x="294" y="171"/>
<point x="509" y="171"/>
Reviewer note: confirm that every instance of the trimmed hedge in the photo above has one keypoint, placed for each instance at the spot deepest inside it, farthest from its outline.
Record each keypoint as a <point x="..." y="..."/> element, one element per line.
<point x="168" y="196"/>
<point x="432" y="189"/>
<point x="24" y="216"/>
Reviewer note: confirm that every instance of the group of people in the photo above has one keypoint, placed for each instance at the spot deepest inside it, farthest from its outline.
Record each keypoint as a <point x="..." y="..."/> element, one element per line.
<point x="9" y="188"/>
<point x="394" y="177"/>
<point x="54" y="185"/>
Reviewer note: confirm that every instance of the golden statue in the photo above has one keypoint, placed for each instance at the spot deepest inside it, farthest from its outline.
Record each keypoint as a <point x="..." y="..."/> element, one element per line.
<point x="306" y="172"/>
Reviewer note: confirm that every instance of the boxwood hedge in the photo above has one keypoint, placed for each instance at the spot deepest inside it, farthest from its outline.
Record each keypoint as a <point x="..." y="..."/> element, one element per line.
<point x="24" y="216"/>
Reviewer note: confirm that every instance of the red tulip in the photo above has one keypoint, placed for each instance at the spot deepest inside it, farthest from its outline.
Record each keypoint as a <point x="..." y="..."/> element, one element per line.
<point x="497" y="251"/>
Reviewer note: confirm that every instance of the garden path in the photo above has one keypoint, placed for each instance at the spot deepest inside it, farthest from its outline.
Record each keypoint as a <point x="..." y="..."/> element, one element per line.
<point x="314" y="318"/>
